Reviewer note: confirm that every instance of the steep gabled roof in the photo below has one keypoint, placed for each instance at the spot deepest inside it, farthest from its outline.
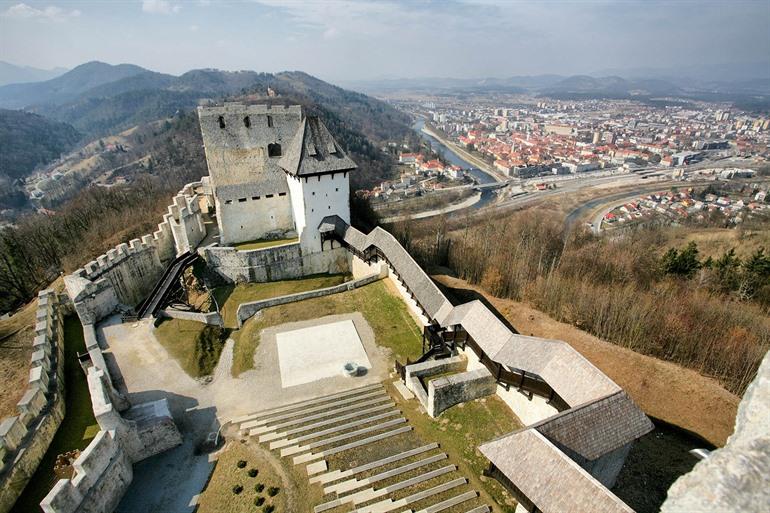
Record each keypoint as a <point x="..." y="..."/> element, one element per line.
<point x="548" y="477"/>
<point x="314" y="151"/>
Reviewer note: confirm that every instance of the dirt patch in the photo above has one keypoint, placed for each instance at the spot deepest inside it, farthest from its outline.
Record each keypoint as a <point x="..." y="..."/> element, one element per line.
<point x="16" y="335"/>
<point x="663" y="390"/>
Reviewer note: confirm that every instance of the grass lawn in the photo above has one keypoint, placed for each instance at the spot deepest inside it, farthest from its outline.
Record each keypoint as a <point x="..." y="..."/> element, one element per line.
<point x="229" y="297"/>
<point x="460" y="430"/>
<point x="76" y="430"/>
<point x="385" y="312"/>
<point x="194" y="345"/>
<point x="263" y="243"/>
<point x="219" y="497"/>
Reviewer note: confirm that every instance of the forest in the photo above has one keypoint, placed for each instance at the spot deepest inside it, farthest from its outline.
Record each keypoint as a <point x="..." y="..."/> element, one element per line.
<point x="708" y="314"/>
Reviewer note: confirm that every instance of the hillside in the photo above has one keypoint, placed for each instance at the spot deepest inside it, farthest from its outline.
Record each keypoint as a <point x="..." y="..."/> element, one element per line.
<point x="26" y="141"/>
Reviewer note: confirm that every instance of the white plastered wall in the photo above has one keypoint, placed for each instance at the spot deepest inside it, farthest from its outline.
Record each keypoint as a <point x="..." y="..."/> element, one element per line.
<point x="320" y="196"/>
<point x="254" y="219"/>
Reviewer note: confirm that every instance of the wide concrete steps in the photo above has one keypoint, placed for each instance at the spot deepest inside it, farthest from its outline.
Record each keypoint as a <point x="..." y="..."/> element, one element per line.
<point x="309" y="402"/>
<point x="336" y="475"/>
<point x="312" y="456"/>
<point x="454" y="501"/>
<point x="480" y="509"/>
<point x="296" y="449"/>
<point x="391" y="505"/>
<point x="336" y="429"/>
<point x="352" y="484"/>
<point x="267" y="437"/>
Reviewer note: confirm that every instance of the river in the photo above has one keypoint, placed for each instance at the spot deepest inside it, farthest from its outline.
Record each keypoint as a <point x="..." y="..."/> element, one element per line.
<point x="478" y="175"/>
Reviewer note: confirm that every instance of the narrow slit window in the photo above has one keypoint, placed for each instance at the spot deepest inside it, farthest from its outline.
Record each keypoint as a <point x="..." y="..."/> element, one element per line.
<point x="247" y="122"/>
<point x="221" y="121"/>
<point x="270" y="121"/>
<point x="255" y="198"/>
<point x="282" y="194"/>
<point x="241" y="200"/>
<point x="268" y="195"/>
<point x="227" y="202"/>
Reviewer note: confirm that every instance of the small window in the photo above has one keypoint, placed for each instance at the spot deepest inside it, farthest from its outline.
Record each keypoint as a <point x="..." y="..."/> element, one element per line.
<point x="273" y="150"/>
<point x="247" y="122"/>
<point x="282" y="194"/>
<point x="270" y="121"/>
<point x="330" y="207"/>
<point x="255" y="198"/>
<point x="268" y="195"/>
<point x="313" y="193"/>
<point x="312" y="210"/>
<point x="221" y="121"/>
<point x="336" y="189"/>
<point x="227" y="202"/>
<point x="241" y="200"/>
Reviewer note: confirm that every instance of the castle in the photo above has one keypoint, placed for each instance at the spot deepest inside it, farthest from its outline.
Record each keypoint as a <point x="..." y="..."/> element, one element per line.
<point x="277" y="175"/>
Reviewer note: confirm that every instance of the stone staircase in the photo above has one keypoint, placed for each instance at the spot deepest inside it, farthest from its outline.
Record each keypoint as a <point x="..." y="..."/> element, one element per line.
<point x="405" y="475"/>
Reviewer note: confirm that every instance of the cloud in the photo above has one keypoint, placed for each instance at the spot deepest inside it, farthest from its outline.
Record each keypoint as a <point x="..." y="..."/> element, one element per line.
<point x="50" y="13"/>
<point x="193" y="28"/>
<point x="160" y="7"/>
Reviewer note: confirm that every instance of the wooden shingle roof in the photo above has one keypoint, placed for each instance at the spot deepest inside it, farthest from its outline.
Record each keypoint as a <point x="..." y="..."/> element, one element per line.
<point x="548" y="477"/>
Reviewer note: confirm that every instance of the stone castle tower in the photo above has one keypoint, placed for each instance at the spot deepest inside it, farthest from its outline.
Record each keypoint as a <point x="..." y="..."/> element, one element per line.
<point x="275" y="173"/>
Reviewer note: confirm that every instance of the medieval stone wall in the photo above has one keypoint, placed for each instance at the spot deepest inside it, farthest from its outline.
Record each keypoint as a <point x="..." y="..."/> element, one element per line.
<point x="271" y="264"/>
<point x="25" y="438"/>
<point x="448" y="391"/>
<point x="127" y="273"/>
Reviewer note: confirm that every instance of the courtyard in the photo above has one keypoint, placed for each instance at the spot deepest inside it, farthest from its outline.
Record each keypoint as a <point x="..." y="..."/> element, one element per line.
<point x="288" y="355"/>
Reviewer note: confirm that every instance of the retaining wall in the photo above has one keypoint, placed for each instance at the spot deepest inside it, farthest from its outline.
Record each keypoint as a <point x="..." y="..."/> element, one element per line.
<point x="210" y="318"/>
<point x="447" y="391"/>
<point x="248" y="310"/>
<point x="25" y="438"/>
<point x="285" y="262"/>
<point x="126" y="274"/>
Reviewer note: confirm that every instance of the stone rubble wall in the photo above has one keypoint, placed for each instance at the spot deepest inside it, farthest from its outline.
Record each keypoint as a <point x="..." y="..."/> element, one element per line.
<point x="458" y="388"/>
<point x="415" y="371"/>
<point x="25" y="438"/>
<point x="126" y="274"/>
<point x="285" y="262"/>
<point x="248" y="310"/>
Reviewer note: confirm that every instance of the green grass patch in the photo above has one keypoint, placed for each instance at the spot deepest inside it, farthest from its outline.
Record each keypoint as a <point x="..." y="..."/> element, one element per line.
<point x="386" y="313"/>
<point x="263" y="243"/>
<point x="460" y="430"/>
<point x="229" y="297"/>
<point x="78" y="427"/>
<point x="194" y="345"/>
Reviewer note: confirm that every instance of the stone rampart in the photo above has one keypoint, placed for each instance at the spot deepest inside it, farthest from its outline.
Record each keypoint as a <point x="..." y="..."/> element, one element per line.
<point x="127" y="273"/>
<point x="25" y="437"/>
<point x="103" y="473"/>
<point x="448" y="391"/>
<point x="248" y="310"/>
<point x="272" y="264"/>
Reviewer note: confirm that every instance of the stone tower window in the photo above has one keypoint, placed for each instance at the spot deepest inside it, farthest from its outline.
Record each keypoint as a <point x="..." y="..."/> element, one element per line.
<point x="274" y="150"/>
<point x="221" y="121"/>
<point x="247" y="122"/>
<point x="270" y="121"/>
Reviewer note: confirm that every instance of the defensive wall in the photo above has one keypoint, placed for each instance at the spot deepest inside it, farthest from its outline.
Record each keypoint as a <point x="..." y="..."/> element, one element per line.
<point x="24" y="438"/>
<point x="126" y="274"/>
<point x="127" y="434"/>
<point x="284" y="262"/>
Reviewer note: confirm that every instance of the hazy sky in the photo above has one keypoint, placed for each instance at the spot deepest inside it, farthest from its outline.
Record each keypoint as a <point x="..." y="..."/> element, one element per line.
<point x="343" y="40"/>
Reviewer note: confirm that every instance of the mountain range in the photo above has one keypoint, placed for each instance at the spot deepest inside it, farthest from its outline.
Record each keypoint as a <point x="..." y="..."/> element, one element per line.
<point x="13" y="74"/>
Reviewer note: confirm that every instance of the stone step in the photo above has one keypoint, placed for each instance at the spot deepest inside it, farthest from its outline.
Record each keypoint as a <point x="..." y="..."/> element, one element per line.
<point x="454" y="501"/>
<point x="341" y="474"/>
<point x="261" y="430"/>
<point x="401" y="388"/>
<point x="371" y="494"/>
<point x="311" y="456"/>
<point x="296" y="449"/>
<point x="264" y="421"/>
<point x="309" y="402"/>
<point x="360" y="413"/>
<point x="289" y="441"/>
<point x="390" y="505"/>
<point x="480" y="509"/>
<point x="352" y="484"/>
